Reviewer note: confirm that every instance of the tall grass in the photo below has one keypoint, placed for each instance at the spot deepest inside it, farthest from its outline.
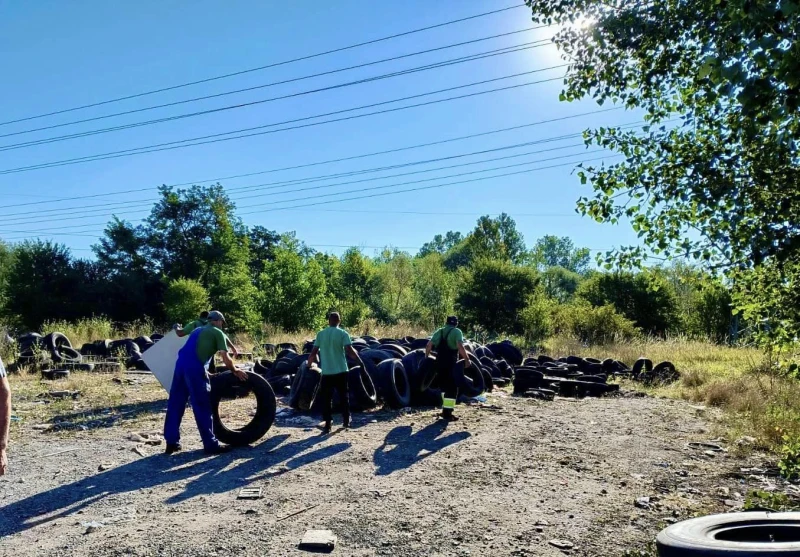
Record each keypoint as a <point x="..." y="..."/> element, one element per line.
<point x="97" y="328"/>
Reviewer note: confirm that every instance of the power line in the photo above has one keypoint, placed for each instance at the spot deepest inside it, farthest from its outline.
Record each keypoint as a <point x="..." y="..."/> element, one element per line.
<point x="274" y="83"/>
<point x="54" y="213"/>
<point x="199" y="140"/>
<point x="267" y="66"/>
<point x="436" y="65"/>
<point x="71" y="227"/>
<point x="344" y="159"/>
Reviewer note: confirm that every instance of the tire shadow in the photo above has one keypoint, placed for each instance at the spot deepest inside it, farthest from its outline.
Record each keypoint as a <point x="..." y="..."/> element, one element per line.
<point x="409" y="448"/>
<point x="203" y="476"/>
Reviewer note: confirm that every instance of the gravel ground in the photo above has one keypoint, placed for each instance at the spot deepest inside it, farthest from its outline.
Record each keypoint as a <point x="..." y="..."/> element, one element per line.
<point x="509" y="478"/>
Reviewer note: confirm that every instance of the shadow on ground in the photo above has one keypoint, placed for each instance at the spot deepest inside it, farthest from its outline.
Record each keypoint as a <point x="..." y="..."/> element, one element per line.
<point x="409" y="448"/>
<point x="203" y="476"/>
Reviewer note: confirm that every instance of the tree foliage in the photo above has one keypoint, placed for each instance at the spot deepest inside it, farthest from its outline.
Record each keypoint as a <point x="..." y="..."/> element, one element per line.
<point x="713" y="175"/>
<point x="184" y="299"/>
<point x="552" y="251"/>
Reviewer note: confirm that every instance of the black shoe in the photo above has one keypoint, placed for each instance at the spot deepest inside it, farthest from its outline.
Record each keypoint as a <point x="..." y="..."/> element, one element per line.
<point x="219" y="449"/>
<point x="346" y="423"/>
<point x="172" y="448"/>
<point x="449" y="418"/>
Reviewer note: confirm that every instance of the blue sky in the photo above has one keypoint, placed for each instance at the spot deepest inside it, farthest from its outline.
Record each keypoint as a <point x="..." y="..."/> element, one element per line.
<point x="64" y="54"/>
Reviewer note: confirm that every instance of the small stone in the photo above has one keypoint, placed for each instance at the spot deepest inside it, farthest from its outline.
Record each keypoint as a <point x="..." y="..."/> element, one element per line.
<point x="139" y="450"/>
<point x="104" y="467"/>
<point x="92" y="526"/>
<point x="710" y="454"/>
<point x="318" y="540"/>
<point x="603" y="492"/>
<point x="746" y="441"/>
<point x="561" y="544"/>
<point x="540" y="529"/>
<point x="723" y="491"/>
<point x="542" y="523"/>
<point x="731" y="503"/>
<point x="136" y="438"/>
<point x="642" y="502"/>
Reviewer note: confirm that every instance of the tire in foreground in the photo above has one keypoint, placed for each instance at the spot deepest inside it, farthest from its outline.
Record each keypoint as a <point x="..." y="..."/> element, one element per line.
<point x="225" y="386"/>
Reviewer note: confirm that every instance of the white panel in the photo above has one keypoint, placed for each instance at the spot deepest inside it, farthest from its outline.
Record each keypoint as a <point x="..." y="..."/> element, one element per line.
<point x="162" y="356"/>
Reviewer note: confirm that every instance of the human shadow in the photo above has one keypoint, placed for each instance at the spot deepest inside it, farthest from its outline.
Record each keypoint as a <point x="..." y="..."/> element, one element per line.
<point x="408" y="446"/>
<point x="204" y="476"/>
<point x="98" y="418"/>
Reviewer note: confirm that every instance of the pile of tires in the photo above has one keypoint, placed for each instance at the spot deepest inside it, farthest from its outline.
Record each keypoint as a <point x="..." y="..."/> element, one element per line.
<point x="45" y="351"/>
<point x="126" y="350"/>
<point x="396" y="373"/>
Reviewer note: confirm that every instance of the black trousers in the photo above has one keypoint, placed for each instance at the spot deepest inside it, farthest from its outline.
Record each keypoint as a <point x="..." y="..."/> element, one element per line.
<point x="447" y="383"/>
<point x="327" y="385"/>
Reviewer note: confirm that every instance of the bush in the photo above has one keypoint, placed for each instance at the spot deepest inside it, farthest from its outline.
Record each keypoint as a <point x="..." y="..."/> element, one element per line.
<point x="184" y="299"/>
<point x="536" y="318"/>
<point x="591" y="324"/>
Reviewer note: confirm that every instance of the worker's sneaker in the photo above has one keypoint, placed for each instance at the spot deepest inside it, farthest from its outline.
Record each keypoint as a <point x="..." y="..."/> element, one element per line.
<point x="326" y="429"/>
<point x="172" y="448"/>
<point x="346" y="423"/>
<point x="449" y="418"/>
<point x="219" y="449"/>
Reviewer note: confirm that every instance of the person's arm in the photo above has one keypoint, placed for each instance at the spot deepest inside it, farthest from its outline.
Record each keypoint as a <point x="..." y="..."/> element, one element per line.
<point x="463" y="352"/>
<point x="353" y="353"/>
<point x="232" y="347"/>
<point x="428" y="348"/>
<point x="226" y="359"/>
<point x="312" y="358"/>
<point x="5" y="420"/>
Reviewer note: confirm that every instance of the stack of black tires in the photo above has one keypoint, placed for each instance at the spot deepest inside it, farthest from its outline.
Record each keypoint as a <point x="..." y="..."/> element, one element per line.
<point x="396" y="373"/>
<point x="49" y="351"/>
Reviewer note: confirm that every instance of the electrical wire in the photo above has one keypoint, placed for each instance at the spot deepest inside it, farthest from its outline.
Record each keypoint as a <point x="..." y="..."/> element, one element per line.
<point x="267" y="66"/>
<point x="217" y="137"/>
<point x="274" y="83"/>
<point x="436" y="65"/>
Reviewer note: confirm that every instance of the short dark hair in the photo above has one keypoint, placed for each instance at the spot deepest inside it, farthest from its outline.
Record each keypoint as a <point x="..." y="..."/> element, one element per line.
<point x="452" y="320"/>
<point x="203" y="315"/>
<point x="334" y="317"/>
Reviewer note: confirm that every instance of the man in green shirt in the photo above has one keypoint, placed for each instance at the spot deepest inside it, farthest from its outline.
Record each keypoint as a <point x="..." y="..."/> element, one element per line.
<point x="449" y="344"/>
<point x="191" y="383"/>
<point x="202" y="321"/>
<point x="331" y="344"/>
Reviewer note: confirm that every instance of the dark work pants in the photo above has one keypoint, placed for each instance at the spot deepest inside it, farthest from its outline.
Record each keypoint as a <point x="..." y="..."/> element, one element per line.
<point x="449" y="388"/>
<point x="327" y="384"/>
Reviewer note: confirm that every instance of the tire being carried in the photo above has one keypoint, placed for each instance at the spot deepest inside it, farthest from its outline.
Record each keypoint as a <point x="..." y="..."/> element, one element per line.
<point x="226" y="385"/>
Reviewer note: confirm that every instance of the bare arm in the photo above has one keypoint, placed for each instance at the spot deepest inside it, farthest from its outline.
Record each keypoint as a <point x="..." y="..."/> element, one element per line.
<point x="463" y="352"/>
<point x="312" y="358"/>
<point x="5" y="420"/>
<point x="428" y="348"/>
<point x="226" y="359"/>
<point x="353" y="353"/>
<point x="232" y="347"/>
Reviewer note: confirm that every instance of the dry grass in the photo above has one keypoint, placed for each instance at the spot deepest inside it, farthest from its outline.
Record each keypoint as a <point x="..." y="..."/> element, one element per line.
<point x="758" y="401"/>
<point x="95" y="328"/>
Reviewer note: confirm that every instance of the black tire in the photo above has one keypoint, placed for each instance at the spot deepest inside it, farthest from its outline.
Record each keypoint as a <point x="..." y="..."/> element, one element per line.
<point x="155" y="337"/>
<point x="387" y="340"/>
<point x="269" y="349"/>
<point x="469" y="380"/>
<point x="428" y="397"/>
<point x="78" y="366"/>
<point x="395" y="350"/>
<point x="507" y="351"/>
<point x="747" y="534"/>
<point x="505" y="369"/>
<point x="594" y="378"/>
<point x="488" y="383"/>
<point x="263" y="367"/>
<point x="527" y="378"/>
<point x="304" y="387"/>
<point x="54" y="374"/>
<point x="573" y="388"/>
<point x="127" y="345"/>
<point x="287" y="346"/>
<point x="56" y="340"/>
<point x="395" y="385"/>
<point x="427" y="371"/>
<point x="418" y="343"/>
<point x="544" y="358"/>
<point x="642" y="364"/>
<point x="280" y="383"/>
<point x="308" y="346"/>
<point x="411" y="363"/>
<point x="284" y="366"/>
<point x="285" y="353"/>
<point x="143" y="342"/>
<point x="66" y="354"/>
<point x="361" y="390"/>
<point x="224" y="384"/>
<point x="371" y="358"/>
<point x="492" y="367"/>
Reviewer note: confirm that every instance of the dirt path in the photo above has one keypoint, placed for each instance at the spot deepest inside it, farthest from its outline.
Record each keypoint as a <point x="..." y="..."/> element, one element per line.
<point x="502" y="481"/>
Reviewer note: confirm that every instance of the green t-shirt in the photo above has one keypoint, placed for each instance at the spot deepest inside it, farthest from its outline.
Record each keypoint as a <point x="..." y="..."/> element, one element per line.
<point x="210" y="341"/>
<point x="331" y="343"/>
<point x="453" y="338"/>
<point x="196" y="324"/>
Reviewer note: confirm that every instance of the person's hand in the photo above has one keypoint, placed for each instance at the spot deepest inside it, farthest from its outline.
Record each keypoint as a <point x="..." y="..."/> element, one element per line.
<point x="176" y="326"/>
<point x="3" y="462"/>
<point x="240" y="374"/>
<point x="467" y="363"/>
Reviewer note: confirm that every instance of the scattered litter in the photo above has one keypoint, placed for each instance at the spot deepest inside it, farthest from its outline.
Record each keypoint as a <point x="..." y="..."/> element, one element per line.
<point x="297" y="512"/>
<point x="16" y="419"/>
<point x="104" y="467"/>
<point x="275" y="470"/>
<point x="62" y="394"/>
<point x="642" y="502"/>
<point x="139" y="450"/>
<point x="92" y="526"/>
<point x="303" y="420"/>
<point x="249" y="493"/>
<point x="561" y="544"/>
<point x="136" y="437"/>
<point x="705" y="446"/>
<point x="43" y="427"/>
<point x="154" y="440"/>
<point x="60" y="452"/>
<point x="318" y="540"/>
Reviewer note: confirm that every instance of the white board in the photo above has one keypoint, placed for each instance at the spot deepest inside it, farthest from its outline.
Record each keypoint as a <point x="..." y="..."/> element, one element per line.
<point x="162" y="356"/>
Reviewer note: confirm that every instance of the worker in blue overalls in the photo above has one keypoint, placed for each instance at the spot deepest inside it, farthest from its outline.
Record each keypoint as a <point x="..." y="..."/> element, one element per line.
<point x="191" y="383"/>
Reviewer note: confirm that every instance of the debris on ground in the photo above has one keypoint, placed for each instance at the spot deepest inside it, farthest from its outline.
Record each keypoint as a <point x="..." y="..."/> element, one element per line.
<point x="318" y="540"/>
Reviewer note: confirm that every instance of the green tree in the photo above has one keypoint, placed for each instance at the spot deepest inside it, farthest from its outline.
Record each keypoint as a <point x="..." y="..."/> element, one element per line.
<point x="294" y="293"/>
<point x="262" y="242"/>
<point x="434" y="288"/>
<point x="552" y="251"/>
<point x="644" y="298"/>
<point x="492" y="238"/>
<point x="560" y="284"/>
<point x="184" y="299"/>
<point x="41" y="284"/>
<point x="394" y="277"/>
<point x="6" y="263"/>
<point x="493" y="294"/>
<point x="354" y="287"/>
<point x="713" y="175"/>
<point x="441" y="244"/>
